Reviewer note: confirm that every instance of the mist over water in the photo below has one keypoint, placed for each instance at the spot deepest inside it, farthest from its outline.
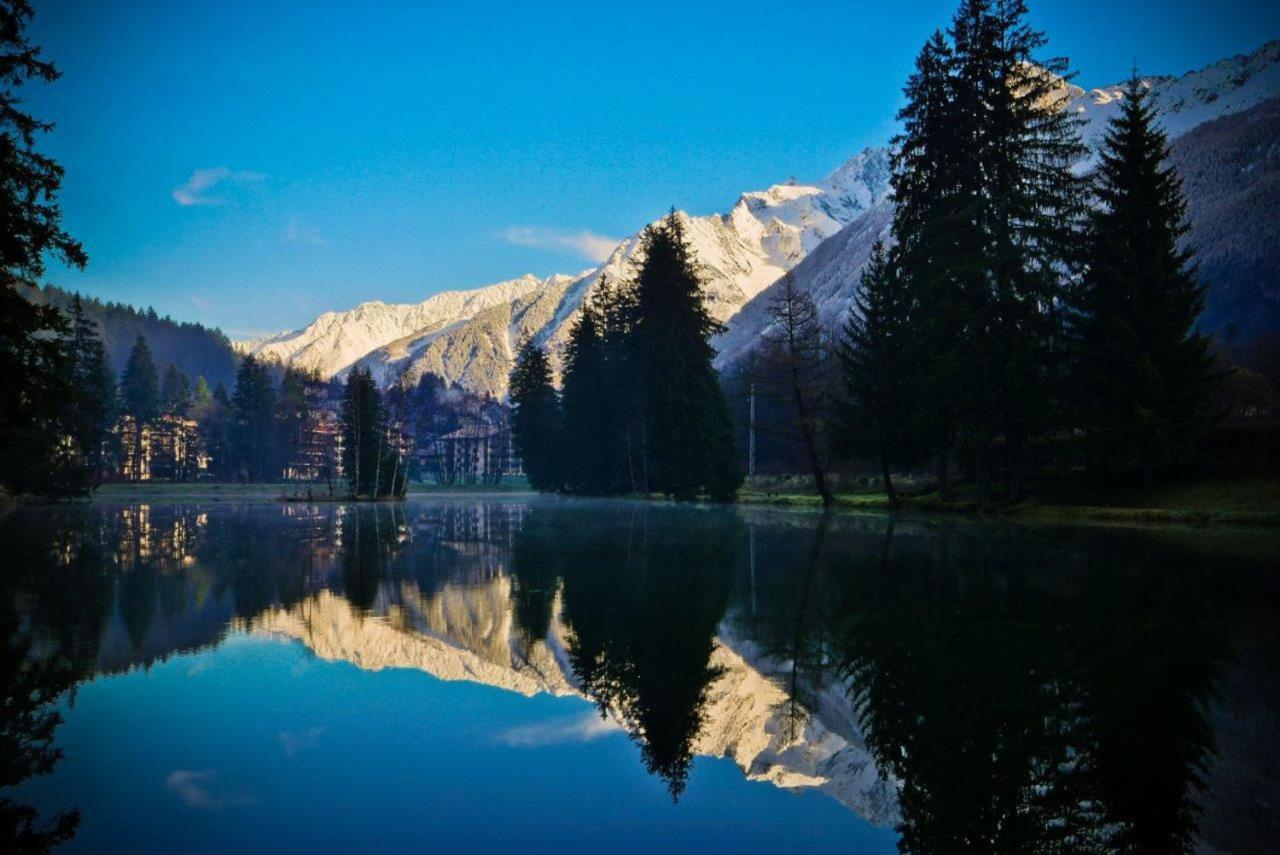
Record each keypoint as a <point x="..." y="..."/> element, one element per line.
<point x="567" y="674"/>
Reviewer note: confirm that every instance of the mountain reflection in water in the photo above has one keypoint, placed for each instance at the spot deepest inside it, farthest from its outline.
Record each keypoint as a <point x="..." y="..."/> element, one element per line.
<point x="979" y="687"/>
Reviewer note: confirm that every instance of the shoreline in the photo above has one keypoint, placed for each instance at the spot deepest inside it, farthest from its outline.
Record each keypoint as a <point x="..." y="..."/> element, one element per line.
<point x="1258" y="512"/>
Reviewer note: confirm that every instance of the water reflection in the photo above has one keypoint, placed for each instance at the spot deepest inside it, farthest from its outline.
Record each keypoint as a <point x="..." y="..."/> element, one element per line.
<point x="979" y="687"/>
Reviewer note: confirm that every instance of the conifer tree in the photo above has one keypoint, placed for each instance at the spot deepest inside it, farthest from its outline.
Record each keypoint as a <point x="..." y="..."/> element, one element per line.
<point x="1144" y="371"/>
<point x="92" y="403"/>
<point x="535" y="423"/>
<point x="33" y="371"/>
<point x="175" y="392"/>
<point x="293" y="416"/>
<point x="934" y="230"/>
<point x="252" y="428"/>
<point x="202" y="396"/>
<point x="689" y="447"/>
<point x="1016" y="184"/>
<point x="364" y="437"/>
<point x="140" y="395"/>
<point x="878" y="411"/>
<point x="589" y="464"/>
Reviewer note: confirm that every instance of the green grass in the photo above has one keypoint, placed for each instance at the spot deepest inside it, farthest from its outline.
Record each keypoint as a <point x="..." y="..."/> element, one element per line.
<point x="1249" y="500"/>
<point x="155" y="491"/>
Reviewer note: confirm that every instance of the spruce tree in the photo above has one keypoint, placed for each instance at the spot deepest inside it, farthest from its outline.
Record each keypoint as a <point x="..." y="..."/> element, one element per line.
<point x="935" y="233"/>
<point x="140" y="396"/>
<point x="587" y="439"/>
<point x="33" y="371"/>
<point x="363" y="435"/>
<point x="1019" y="143"/>
<point x="175" y="392"/>
<point x="92" y="403"/>
<point x="252" y="428"/>
<point x="877" y="413"/>
<point x="689" y="447"/>
<point x="1145" y="374"/>
<point x="293" y="415"/>
<point x="535" y="422"/>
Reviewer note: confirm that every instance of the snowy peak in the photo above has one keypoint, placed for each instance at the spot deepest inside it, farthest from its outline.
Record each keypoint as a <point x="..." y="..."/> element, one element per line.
<point x="1221" y="89"/>
<point x="334" y="341"/>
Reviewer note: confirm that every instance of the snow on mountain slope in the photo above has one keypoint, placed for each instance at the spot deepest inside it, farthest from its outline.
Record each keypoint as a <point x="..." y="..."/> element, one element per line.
<point x="335" y="340"/>
<point x="466" y="632"/>
<point x="1226" y="88"/>
<point x="469" y="337"/>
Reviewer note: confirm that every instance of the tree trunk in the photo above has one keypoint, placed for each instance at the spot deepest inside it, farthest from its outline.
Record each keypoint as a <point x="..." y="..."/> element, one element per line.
<point x="889" y="492"/>
<point x="944" y="468"/>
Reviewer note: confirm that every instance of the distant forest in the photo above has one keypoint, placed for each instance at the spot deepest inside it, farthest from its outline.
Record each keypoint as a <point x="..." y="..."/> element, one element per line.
<point x="197" y="350"/>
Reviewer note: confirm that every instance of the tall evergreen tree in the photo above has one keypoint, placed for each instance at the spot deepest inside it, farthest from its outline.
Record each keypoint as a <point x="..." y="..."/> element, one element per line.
<point x="1145" y="373"/>
<point x="1019" y="143"/>
<point x="878" y="412"/>
<point x="689" y="447"/>
<point x="33" y="384"/>
<point x="935" y="232"/>
<point x="589" y="465"/>
<point x="535" y="423"/>
<point x="252" y="428"/>
<point x="92" y="404"/>
<point x="363" y="435"/>
<point x="175" y="392"/>
<point x="140" y="396"/>
<point x="213" y="425"/>
<point x="293" y="415"/>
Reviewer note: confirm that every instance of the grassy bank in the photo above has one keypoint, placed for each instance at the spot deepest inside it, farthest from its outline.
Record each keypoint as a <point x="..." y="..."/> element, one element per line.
<point x="155" y="491"/>
<point x="1252" y="500"/>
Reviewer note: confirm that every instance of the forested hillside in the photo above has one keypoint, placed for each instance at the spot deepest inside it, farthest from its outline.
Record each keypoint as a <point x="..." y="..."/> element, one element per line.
<point x="196" y="349"/>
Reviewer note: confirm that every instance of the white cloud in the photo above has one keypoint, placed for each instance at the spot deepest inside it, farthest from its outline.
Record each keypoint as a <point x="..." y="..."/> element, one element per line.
<point x="204" y="304"/>
<point x="586" y="244"/>
<point x="587" y="727"/>
<point x="296" y="742"/>
<point x="296" y="232"/>
<point x="197" y="190"/>
<point x="197" y="790"/>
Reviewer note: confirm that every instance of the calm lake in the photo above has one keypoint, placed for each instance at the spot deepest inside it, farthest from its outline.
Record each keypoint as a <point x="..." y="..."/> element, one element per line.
<point x="556" y="675"/>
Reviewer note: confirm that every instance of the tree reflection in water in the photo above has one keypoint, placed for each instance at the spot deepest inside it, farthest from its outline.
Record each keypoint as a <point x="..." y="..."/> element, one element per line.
<point x="1023" y="689"/>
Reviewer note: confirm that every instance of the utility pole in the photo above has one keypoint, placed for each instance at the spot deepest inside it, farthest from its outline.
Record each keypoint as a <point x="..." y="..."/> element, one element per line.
<point x="751" y="435"/>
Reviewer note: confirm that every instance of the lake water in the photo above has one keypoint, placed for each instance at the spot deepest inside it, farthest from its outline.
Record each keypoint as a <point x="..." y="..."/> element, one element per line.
<point x="555" y="675"/>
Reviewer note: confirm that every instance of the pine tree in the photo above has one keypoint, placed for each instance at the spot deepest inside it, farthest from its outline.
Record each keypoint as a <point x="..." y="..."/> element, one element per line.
<point x="1145" y="373"/>
<point x="589" y="465"/>
<point x="252" y="428"/>
<point x="202" y="396"/>
<point x="293" y="416"/>
<point x="622" y="404"/>
<point x="876" y="353"/>
<point x="363" y="435"/>
<point x="1019" y="144"/>
<point x="33" y="371"/>
<point x="140" y="396"/>
<point x="535" y="423"/>
<point x="92" y="404"/>
<point x="934" y="231"/>
<point x="175" y="392"/>
<point x="213" y="425"/>
<point x="688" y="433"/>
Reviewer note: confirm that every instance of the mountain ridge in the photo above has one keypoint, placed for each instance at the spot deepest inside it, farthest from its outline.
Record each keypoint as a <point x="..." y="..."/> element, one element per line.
<point x="743" y="252"/>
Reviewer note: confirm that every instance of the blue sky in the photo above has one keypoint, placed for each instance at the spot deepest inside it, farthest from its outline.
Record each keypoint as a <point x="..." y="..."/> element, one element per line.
<point x="251" y="164"/>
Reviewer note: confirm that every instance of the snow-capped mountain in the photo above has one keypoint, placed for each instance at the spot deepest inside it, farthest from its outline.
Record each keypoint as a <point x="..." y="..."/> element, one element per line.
<point x="1227" y="88"/>
<point x="822" y="231"/>
<point x="470" y="337"/>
